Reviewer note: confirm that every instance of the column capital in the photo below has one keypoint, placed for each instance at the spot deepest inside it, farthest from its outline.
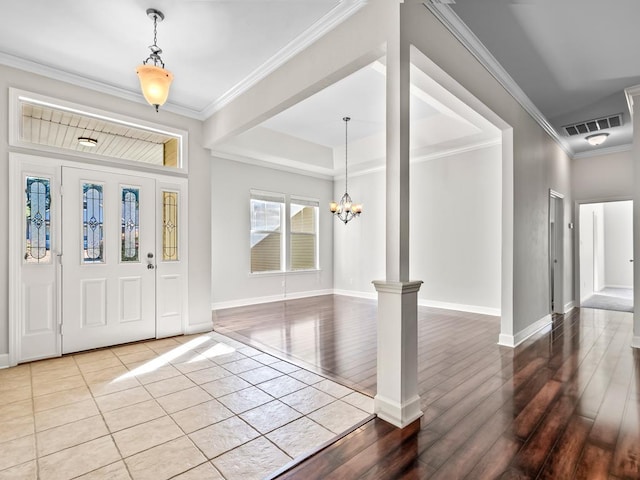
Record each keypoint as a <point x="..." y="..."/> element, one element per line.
<point x="397" y="287"/>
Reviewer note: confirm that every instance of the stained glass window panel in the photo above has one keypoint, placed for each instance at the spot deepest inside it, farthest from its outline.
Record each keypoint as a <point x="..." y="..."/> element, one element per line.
<point x="92" y="223"/>
<point x="38" y="220"/>
<point x="169" y="226"/>
<point x="130" y="225"/>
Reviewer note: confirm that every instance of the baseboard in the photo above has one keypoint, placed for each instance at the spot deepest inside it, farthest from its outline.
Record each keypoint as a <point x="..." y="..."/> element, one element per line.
<point x="635" y="342"/>
<point x="4" y="360"/>
<point x="243" y="302"/>
<point x="569" y="306"/>
<point x="460" y="307"/>
<point x="399" y="415"/>
<point x="515" y="340"/>
<point x="618" y="286"/>
<point x="354" y="293"/>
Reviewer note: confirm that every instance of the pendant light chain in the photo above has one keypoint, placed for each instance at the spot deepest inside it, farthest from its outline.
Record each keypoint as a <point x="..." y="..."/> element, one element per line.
<point x="155" y="31"/>
<point x="346" y="173"/>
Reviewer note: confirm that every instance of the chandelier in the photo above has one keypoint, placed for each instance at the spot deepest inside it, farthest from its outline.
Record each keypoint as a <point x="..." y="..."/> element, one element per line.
<point x="154" y="79"/>
<point x="345" y="209"/>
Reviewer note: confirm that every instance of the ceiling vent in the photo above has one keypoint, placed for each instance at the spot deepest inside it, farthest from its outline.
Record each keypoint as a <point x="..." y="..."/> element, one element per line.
<point x="582" y="128"/>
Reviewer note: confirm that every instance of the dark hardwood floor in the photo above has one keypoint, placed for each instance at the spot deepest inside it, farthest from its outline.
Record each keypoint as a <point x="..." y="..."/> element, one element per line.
<point x="564" y="404"/>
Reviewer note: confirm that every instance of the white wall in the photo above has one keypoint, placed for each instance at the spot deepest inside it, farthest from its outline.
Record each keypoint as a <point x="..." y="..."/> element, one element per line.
<point x="199" y="182"/>
<point x="232" y="282"/>
<point x="586" y="251"/>
<point x="618" y="243"/>
<point x="455" y="231"/>
<point x="359" y="246"/>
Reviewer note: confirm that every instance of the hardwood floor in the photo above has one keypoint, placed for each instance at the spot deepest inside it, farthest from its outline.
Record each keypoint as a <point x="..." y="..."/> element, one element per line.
<point x="565" y="404"/>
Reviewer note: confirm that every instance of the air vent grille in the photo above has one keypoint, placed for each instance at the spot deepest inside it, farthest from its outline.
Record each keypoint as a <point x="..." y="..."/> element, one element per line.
<point x="589" y="126"/>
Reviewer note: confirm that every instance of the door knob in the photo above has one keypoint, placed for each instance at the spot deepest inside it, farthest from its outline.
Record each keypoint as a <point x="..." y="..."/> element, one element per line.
<point x="150" y="266"/>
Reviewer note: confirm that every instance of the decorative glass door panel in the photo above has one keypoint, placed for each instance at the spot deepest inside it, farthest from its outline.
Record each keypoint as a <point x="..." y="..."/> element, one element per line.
<point x="129" y="251"/>
<point x="92" y="223"/>
<point x="169" y="226"/>
<point x="38" y="220"/>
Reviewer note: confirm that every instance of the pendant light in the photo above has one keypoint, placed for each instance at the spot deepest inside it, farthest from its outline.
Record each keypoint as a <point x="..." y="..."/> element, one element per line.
<point x="345" y="210"/>
<point x="154" y="79"/>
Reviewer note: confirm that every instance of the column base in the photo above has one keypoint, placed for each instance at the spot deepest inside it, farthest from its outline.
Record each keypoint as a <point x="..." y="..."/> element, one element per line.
<point x="396" y="414"/>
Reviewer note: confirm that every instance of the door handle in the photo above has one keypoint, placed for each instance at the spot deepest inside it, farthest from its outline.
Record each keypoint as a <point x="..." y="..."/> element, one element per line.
<point x="150" y="266"/>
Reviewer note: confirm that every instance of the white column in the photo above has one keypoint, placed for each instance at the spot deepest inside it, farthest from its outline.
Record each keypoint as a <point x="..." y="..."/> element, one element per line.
<point x="397" y="400"/>
<point x="633" y="99"/>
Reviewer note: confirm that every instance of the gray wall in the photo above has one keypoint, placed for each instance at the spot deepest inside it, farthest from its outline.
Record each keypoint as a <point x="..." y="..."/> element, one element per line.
<point x="232" y="281"/>
<point x="455" y="231"/>
<point x="539" y="164"/>
<point x="602" y="177"/>
<point x="199" y="184"/>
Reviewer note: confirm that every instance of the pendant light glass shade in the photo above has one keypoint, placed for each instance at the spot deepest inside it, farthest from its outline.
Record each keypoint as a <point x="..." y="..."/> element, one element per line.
<point x="155" y="83"/>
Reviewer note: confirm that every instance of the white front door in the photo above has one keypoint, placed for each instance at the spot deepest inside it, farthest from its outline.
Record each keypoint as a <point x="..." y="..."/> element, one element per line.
<point x="109" y="259"/>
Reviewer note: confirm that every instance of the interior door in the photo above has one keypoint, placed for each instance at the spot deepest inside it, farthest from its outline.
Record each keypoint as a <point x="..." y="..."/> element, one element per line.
<point x="108" y="263"/>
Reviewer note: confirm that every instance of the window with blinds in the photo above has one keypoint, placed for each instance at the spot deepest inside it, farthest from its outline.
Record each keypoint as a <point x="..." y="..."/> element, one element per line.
<point x="266" y="232"/>
<point x="303" y="234"/>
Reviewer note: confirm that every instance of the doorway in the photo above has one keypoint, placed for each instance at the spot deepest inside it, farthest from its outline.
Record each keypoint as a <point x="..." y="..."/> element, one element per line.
<point x="556" y="252"/>
<point x="98" y="257"/>
<point x="606" y="255"/>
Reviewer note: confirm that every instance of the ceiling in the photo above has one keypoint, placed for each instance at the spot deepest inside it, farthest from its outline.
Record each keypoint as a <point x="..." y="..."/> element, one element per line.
<point x="211" y="46"/>
<point x="571" y="60"/>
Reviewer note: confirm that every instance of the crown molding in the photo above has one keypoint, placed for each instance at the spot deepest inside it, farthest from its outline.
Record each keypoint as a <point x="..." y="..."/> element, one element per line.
<point x="284" y="165"/>
<point x="84" y="82"/>
<point x="463" y="33"/>
<point x="338" y="14"/>
<point x="630" y="93"/>
<point x="603" y="151"/>
<point x="425" y="158"/>
<point x="328" y="22"/>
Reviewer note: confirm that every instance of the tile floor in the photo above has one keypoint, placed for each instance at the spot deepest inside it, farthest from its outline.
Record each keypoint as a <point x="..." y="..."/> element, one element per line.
<point x="194" y="407"/>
